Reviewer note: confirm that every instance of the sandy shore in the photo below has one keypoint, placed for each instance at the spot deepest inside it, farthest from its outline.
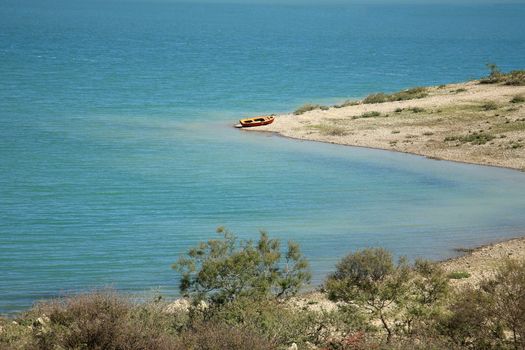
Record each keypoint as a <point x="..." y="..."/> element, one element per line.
<point x="482" y="262"/>
<point x="467" y="122"/>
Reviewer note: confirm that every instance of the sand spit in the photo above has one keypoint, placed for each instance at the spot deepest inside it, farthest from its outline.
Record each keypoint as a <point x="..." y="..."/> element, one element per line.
<point x="467" y="122"/>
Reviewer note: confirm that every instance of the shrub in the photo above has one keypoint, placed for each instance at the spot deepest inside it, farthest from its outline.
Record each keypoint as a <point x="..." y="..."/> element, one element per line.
<point x="370" y="279"/>
<point x="474" y="138"/>
<point x="347" y="103"/>
<point x="483" y="318"/>
<point x="331" y="130"/>
<point x="376" y="98"/>
<point x="489" y="106"/>
<point x="225" y="269"/>
<point x="101" y="320"/>
<point x="306" y="108"/>
<point x="495" y="75"/>
<point x="220" y="336"/>
<point x="518" y="99"/>
<point x="469" y="323"/>
<point x="507" y="290"/>
<point x="457" y="275"/>
<point x="283" y="323"/>
<point x="15" y="334"/>
<point x="464" y="250"/>
<point x="515" y="77"/>
<point x="424" y="303"/>
<point x="416" y="109"/>
<point x="410" y="94"/>
<point x="371" y="114"/>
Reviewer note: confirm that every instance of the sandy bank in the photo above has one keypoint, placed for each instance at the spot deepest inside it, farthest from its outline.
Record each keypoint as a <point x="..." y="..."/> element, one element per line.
<point x="482" y="262"/>
<point x="467" y="122"/>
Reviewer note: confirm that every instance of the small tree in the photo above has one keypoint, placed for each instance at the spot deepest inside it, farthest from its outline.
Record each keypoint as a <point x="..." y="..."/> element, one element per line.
<point x="225" y="269"/>
<point x="470" y="323"/>
<point x="507" y="291"/>
<point x="491" y="316"/>
<point x="495" y="72"/>
<point x="429" y="289"/>
<point x="370" y="279"/>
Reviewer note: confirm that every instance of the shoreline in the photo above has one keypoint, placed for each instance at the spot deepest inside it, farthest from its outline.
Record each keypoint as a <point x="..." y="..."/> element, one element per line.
<point x="475" y="264"/>
<point x="482" y="124"/>
<point x="468" y="122"/>
<point x="275" y="133"/>
<point x="470" y="267"/>
<point x="481" y="261"/>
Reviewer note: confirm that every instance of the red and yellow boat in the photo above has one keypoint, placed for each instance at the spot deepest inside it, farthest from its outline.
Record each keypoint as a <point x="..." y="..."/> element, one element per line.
<point x="256" y="121"/>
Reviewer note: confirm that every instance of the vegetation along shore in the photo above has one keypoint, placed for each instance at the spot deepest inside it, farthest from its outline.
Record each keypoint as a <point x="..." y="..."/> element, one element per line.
<point x="481" y="122"/>
<point x="244" y="295"/>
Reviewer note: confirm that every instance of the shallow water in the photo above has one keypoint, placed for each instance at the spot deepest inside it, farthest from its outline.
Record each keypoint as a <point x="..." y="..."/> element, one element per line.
<point x="117" y="152"/>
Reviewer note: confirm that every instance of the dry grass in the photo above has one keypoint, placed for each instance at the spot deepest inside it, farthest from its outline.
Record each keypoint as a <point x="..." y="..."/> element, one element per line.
<point x="331" y="129"/>
<point x="409" y="94"/>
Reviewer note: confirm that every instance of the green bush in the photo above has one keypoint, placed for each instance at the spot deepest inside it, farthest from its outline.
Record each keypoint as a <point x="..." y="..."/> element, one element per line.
<point x="101" y="320"/>
<point x="220" y="336"/>
<point x="515" y="77"/>
<point x="371" y="280"/>
<point x="285" y="324"/>
<point x="371" y="114"/>
<point x="410" y="94"/>
<point x="469" y="323"/>
<point x="224" y="269"/>
<point x="491" y="316"/>
<point x="416" y="109"/>
<point x="474" y="138"/>
<point x="403" y="300"/>
<point x="457" y="275"/>
<point x="347" y="103"/>
<point x="489" y="106"/>
<point x="306" y="108"/>
<point x="425" y="302"/>
<point x="376" y="98"/>
<point x="507" y="291"/>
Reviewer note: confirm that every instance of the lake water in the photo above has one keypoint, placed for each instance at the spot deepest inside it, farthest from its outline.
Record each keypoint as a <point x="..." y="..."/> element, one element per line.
<point x="117" y="151"/>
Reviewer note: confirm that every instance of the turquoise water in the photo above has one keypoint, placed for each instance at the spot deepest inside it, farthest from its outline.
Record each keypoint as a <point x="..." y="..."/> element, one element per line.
<point x="117" y="151"/>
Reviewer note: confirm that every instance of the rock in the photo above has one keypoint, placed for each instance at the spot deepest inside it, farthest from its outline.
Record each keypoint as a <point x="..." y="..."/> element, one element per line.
<point x="43" y="320"/>
<point x="202" y="305"/>
<point x="179" y="305"/>
<point x="293" y="347"/>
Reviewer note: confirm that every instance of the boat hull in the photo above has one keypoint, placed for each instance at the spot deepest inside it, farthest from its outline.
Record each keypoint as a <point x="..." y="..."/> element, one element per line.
<point x="257" y="121"/>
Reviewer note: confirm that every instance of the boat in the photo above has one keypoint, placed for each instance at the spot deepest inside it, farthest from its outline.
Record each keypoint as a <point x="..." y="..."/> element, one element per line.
<point x="256" y="121"/>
